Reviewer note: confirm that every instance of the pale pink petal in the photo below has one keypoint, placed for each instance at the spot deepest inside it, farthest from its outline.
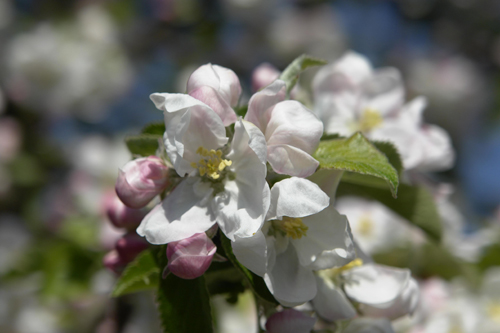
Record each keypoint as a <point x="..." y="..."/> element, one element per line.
<point x="263" y="76"/>
<point x="261" y="104"/>
<point x="209" y="96"/>
<point x="289" y="160"/>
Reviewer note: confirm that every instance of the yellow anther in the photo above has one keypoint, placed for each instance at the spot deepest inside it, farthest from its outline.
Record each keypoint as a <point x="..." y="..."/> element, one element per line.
<point x="212" y="163"/>
<point x="333" y="272"/>
<point x="365" y="226"/>
<point x="293" y="227"/>
<point x="369" y="120"/>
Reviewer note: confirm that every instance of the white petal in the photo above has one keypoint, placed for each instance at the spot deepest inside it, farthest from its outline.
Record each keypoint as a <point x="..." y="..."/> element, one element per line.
<point x="182" y="214"/>
<point x="328" y="242"/>
<point x="291" y="123"/>
<point x="222" y="79"/>
<point x="375" y="284"/>
<point x="438" y="150"/>
<point x="289" y="282"/>
<point x="190" y="124"/>
<point x="212" y="98"/>
<point x="247" y="139"/>
<point x="404" y="304"/>
<point x="327" y="180"/>
<point x="331" y="303"/>
<point x="384" y="92"/>
<point x="347" y="73"/>
<point x="289" y="160"/>
<point x="252" y="252"/>
<point x="296" y="197"/>
<point x="261" y="103"/>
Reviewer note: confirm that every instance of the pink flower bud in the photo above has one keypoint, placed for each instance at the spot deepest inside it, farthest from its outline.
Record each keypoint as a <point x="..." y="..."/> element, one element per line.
<point x="130" y="245"/>
<point x="113" y="262"/>
<point x="141" y="180"/>
<point x="120" y="215"/>
<point x="290" y="320"/>
<point x="190" y="257"/>
<point x="264" y="75"/>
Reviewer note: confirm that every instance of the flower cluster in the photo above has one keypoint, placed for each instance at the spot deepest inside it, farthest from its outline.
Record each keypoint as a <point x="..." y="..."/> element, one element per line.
<point x="248" y="177"/>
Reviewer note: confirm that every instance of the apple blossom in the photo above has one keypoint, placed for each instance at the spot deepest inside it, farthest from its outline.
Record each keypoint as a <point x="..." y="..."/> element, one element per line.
<point x="380" y="291"/>
<point x="374" y="227"/>
<point x="369" y="325"/>
<point x="290" y="320"/>
<point x="350" y="96"/>
<point x="113" y="262"/>
<point x="190" y="257"/>
<point x="222" y="184"/>
<point x="218" y="87"/>
<point x="292" y="131"/>
<point x="302" y="233"/>
<point x="141" y="180"/>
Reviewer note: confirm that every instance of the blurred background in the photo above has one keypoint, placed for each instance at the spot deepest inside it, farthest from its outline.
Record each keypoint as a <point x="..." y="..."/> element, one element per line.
<point x="75" y="79"/>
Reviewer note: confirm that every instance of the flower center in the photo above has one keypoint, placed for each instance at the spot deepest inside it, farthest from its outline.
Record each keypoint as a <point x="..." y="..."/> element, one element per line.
<point x="369" y="120"/>
<point x="332" y="273"/>
<point x="365" y="226"/>
<point x="293" y="227"/>
<point x="211" y="164"/>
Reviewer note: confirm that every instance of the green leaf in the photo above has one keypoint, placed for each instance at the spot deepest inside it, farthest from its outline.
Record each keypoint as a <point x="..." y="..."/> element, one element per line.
<point x="184" y="305"/>
<point x="156" y="128"/>
<point x="141" y="274"/>
<point x="357" y="154"/>
<point x="392" y="154"/>
<point x="256" y="282"/>
<point x="291" y="74"/>
<point x="414" y="203"/>
<point x="143" y="145"/>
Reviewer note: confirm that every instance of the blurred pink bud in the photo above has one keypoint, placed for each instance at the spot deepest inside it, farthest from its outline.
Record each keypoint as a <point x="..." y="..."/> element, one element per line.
<point x="141" y="180"/>
<point x="130" y="245"/>
<point x="190" y="257"/>
<point x="10" y="138"/>
<point x="290" y="320"/>
<point x="120" y="215"/>
<point x="113" y="262"/>
<point x="264" y="75"/>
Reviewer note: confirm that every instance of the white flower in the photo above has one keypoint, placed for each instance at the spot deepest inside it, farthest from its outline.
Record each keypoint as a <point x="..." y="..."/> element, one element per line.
<point x="350" y="96"/>
<point x="224" y="185"/>
<point x="218" y="87"/>
<point x="380" y="291"/>
<point x="303" y="233"/>
<point x="374" y="227"/>
<point x="292" y="131"/>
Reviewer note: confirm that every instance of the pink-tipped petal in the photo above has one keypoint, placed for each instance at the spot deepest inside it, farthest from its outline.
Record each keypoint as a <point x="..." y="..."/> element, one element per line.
<point x="141" y="180"/>
<point x="190" y="257"/>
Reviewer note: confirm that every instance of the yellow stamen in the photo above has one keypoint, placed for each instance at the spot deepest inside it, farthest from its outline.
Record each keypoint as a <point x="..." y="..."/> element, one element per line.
<point x="365" y="226"/>
<point x="369" y="120"/>
<point x="333" y="272"/>
<point x="212" y="163"/>
<point x="293" y="227"/>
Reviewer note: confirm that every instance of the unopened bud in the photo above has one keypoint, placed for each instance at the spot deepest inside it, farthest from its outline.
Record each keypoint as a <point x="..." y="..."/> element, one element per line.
<point x="113" y="262"/>
<point x="264" y="75"/>
<point x="130" y="245"/>
<point x="120" y="215"/>
<point x="141" y="180"/>
<point x="190" y="257"/>
<point x="290" y="320"/>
